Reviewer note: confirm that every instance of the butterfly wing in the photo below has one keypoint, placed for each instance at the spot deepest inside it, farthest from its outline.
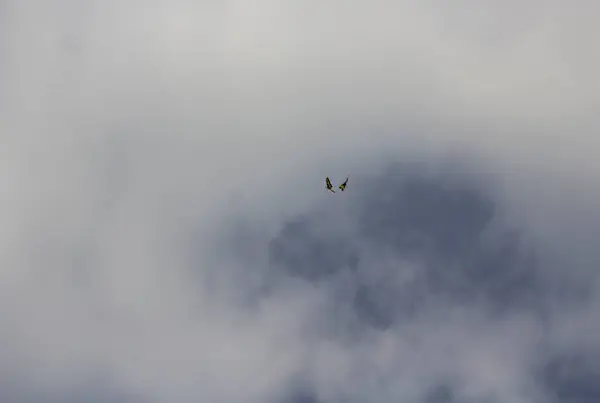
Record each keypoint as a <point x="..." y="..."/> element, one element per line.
<point x="329" y="185"/>
<point x="343" y="185"/>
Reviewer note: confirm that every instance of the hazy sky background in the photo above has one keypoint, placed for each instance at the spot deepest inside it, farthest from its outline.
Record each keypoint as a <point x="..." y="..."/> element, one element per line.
<point x="166" y="235"/>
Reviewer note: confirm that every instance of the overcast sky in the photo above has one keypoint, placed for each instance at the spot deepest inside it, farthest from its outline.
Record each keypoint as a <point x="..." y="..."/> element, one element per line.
<point x="166" y="235"/>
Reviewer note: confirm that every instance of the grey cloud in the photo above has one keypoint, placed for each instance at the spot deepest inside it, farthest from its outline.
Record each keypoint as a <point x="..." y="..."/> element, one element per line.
<point x="446" y="229"/>
<point x="573" y="378"/>
<point x="424" y="242"/>
<point x="163" y="222"/>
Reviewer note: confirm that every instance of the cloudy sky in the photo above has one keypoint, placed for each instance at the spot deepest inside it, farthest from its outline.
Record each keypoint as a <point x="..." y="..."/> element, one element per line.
<point x="166" y="235"/>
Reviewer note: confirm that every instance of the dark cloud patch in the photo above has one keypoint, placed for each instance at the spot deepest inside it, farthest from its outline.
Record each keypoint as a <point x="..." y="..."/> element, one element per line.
<point x="302" y="397"/>
<point x="412" y="241"/>
<point x="303" y="251"/>
<point x="421" y="214"/>
<point x="573" y="378"/>
<point x="440" y="394"/>
<point x="449" y="224"/>
<point x="369" y="308"/>
<point x="416" y="235"/>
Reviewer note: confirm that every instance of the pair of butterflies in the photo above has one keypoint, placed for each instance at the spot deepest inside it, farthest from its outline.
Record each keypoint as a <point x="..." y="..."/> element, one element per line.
<point x="330" y="186"/>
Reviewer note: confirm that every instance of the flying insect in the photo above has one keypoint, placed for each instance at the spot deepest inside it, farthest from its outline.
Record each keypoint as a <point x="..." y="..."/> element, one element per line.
<point x="343" y="185"/>
<point x="329" y="185"/>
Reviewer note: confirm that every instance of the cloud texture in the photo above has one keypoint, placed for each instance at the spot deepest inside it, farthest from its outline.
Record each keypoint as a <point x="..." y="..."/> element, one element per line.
<point x="166" y="235"/>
